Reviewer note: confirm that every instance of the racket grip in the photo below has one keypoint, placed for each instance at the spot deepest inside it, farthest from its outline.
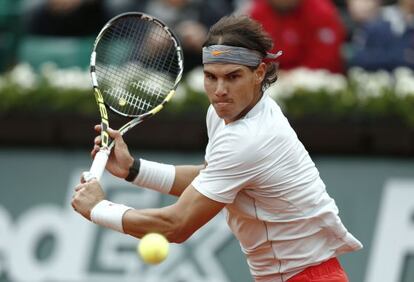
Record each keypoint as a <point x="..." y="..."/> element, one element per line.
<point x="98" y="165"/>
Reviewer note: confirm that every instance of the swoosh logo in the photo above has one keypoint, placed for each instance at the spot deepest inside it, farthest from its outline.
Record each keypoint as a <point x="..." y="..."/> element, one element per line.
<point x="218" y="53"/>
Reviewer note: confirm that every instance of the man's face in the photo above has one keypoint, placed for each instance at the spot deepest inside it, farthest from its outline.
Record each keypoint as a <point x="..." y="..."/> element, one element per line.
<point x="363" y="10"/>
<point x="232" y="89"/>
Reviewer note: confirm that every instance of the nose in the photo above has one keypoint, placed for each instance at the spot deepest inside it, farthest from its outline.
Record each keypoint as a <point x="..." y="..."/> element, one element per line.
<point x="221" y="88"/>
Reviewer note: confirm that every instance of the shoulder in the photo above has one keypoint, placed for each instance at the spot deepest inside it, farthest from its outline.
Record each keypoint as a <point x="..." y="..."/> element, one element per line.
<point x="238" y="146"/>
<point x="210" y="116"/>
<point x="229" y="142"/>
<point x="212" y="120"/>
<point x="248" y="138"/>
<point x="233" y="140"/>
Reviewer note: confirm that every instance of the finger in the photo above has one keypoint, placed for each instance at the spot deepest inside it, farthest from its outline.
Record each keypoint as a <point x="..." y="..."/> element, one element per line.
<point x="97" y="140"/>
<point x="113" y="133"/>
<point x="79" y="186"/>
<point x="95" y="150"/>
<point x="116" y="135"/>
<point x="97" y="127"/>
<point x="73" y="205"/>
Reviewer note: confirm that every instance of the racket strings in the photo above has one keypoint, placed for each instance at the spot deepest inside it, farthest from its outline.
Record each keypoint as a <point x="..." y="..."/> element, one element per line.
<point x="137" y="65"/>
<point x="117" y="75"/>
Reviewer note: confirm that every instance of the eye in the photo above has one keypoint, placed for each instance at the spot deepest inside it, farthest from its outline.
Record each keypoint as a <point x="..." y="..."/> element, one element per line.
<point x="233" y="76"/>
<point x="209" y="76"/>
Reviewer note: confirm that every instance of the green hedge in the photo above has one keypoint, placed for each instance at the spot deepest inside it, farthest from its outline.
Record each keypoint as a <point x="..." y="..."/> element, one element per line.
<point x="301" y="93"/>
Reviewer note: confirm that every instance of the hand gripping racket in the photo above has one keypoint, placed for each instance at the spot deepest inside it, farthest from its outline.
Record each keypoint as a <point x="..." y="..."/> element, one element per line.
<point x="136" y="65"/>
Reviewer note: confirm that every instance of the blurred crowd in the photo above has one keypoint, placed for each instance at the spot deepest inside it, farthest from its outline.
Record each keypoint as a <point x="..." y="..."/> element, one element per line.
<point x="316" y="34"/>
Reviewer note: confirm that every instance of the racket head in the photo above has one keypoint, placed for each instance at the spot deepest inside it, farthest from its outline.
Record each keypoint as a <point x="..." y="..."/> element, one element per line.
<point x="136" y="64"/>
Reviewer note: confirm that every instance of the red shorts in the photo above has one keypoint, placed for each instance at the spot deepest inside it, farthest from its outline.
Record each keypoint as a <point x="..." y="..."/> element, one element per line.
<point x="328" y="271"/>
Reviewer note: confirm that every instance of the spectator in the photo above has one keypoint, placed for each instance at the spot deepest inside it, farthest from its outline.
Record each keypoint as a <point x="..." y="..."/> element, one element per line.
<point x="356" y="13"/>
<point x="387" y="41"/>
<point x="309" y="32"/>
<point x="66" y="18"/>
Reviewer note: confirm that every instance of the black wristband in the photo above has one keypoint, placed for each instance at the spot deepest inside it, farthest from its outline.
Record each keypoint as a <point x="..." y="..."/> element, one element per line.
<point x="133" y="171"/>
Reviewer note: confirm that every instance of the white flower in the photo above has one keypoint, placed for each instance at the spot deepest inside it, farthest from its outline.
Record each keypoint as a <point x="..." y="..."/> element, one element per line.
<point x="336" y="83"/>
<point x="71" y="78"/>
<point x="317" y="80"/>
<point x="180" y="94"/>
<point x="195" y="80"/>
<point x="307" y="80"/>
<point x="274" y="90"/>
<point x="404" y="82"/>
<point x="24" y="76"/>
<point x="48" y="69"/>
<point x="370" y="84"/>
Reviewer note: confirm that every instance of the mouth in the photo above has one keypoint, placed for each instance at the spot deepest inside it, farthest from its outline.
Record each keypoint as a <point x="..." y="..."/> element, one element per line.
<point x="221" y="105"/>
<point x="222" y="102"/>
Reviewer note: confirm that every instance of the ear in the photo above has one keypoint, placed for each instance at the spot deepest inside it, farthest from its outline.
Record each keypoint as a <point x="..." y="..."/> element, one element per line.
<point x="260" y="73"/>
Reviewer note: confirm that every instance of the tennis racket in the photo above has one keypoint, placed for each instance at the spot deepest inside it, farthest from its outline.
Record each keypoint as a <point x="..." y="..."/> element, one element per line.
<point x="136" y="65"/>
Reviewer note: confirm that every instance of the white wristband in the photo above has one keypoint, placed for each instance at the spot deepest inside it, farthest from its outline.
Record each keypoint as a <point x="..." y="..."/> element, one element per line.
<point x="155" y="176"/>
<point x="108" y="214"/>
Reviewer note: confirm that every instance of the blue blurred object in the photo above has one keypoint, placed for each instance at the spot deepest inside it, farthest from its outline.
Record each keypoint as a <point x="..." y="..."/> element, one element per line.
<point x="386" y="42"/>
<point x="63" y="51"/>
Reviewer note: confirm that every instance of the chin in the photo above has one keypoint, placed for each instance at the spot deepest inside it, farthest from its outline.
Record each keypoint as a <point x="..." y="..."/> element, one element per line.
<point x="223" y="115"/>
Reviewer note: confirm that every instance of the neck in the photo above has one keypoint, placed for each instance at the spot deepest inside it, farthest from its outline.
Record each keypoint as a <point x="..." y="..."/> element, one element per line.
<point x="256" y="100"/>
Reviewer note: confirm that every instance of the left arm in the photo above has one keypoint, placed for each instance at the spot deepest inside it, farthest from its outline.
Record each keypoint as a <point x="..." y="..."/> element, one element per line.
<point x="120" y="160"/>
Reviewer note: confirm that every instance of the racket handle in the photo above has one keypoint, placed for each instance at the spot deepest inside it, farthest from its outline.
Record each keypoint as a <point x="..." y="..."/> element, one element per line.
<point x="98" y="165"/>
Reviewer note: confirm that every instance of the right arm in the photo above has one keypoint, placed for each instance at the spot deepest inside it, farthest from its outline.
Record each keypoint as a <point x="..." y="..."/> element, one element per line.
<point x="184" y="175"/>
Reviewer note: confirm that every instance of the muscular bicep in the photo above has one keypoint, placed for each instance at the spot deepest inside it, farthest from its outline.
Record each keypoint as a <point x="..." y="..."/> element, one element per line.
<point x="184" y="175"/>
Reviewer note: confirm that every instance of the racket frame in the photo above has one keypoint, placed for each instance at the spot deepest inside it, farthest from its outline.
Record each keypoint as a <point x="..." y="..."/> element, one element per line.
<point x="101" y="157"/>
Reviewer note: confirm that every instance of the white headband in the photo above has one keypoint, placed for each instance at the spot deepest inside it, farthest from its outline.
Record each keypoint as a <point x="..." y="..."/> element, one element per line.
<point x="234" y="55"/>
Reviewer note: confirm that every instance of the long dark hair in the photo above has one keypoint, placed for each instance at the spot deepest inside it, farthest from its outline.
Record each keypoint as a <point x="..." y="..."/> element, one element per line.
<point x="242" y="31"/>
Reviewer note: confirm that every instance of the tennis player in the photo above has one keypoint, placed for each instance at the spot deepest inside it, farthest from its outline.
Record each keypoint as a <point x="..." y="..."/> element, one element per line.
<point x="256" y="170"/>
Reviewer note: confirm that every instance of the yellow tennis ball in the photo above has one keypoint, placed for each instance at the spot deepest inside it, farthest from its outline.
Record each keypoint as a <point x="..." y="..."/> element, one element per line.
<point x="122" y="102"/>
<point x="153" y="248"/>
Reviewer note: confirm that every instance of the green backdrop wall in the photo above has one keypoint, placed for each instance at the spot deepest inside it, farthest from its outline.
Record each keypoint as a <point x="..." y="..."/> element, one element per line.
<point x="42" y="239"/>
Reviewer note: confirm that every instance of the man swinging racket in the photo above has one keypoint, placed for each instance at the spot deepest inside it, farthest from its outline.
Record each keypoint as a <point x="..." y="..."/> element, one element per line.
<point x="256" y="170"/>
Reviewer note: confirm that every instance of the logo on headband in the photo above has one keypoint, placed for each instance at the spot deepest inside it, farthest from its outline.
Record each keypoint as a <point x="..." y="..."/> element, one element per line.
<point x="216" y="53"/>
